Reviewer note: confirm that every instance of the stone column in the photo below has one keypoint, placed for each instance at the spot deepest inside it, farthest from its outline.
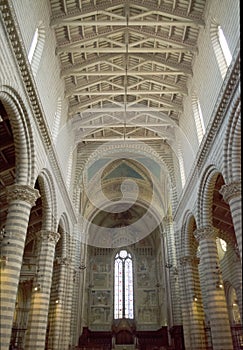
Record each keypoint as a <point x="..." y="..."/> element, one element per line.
<point x="232" y="195"/>
<point x="173" y="271"/>
<point x="217" y="307"/>
<point x="20" y="198"/>
<point x="191" y="303"/>
<point x="68" y="290"/>
<point x="38" y="315"/>
<point x="60" y="308"/>
<point x="76" y="297"/>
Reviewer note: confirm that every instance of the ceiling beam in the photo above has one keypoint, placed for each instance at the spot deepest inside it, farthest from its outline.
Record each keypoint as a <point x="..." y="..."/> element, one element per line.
<point x="131" y="73"/>
<point x="129" y="92"/>
<point x="144" y="32"/>
<point x="112" y="23"/>
<point x="6" y="143"/>
<point x="83" y="107"/>
<point x="161" y="62"/>
<point x="87" y="11"/>
<point x="76" y="69"/>
<point x="151" y="79"/>
<point x="7" y="167"/>
<point x="130" y="49"/>
<point x="119" y="125"/>
<point x="88" y="63"/>
<point x="117" y="138"/>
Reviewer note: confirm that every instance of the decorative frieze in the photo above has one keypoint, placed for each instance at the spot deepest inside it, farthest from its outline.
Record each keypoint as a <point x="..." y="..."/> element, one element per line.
<point x="23" y="193"/>
<point x="230" y="191"/>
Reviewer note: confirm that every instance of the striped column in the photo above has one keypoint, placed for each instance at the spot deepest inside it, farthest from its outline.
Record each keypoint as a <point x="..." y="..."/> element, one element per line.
<point x="192" y="309"/>
<point x="173" y="271"/>
<point x="217" y="307"/>
<point x="232" y="195"/>
<point x="38" y="315"/>
<point x="20" y="198"/>
<point x="68" y="288"/>
<point x="77" y="296"/>
<point x="60" y="313"/>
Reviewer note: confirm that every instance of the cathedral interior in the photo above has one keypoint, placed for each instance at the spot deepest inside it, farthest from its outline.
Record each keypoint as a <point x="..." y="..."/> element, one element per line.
<point x="120" y="175"/>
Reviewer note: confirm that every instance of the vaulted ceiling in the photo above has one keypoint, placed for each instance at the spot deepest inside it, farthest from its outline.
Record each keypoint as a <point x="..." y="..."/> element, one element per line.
<point x="126" y="64"/>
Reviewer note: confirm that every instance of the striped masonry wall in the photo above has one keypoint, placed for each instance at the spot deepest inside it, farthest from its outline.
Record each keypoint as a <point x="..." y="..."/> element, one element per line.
<point x="216" y="302"/>
<point x="38" y="316"/>
<point x="21" y="199"/>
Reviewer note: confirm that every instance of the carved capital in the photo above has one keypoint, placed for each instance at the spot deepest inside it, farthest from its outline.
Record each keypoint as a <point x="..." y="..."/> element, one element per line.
<point x="207" y="232"/>
<point x="230" y="191"/>
<point x="48" y="236"/>
<point x="22" y="192"/>
<point x="168" y="219"/>
<point x="189" y="260"/>
<point x="62" y="261"/>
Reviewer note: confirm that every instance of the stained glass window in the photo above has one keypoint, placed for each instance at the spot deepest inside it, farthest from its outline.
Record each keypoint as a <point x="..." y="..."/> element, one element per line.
<point x="123" y="285"/>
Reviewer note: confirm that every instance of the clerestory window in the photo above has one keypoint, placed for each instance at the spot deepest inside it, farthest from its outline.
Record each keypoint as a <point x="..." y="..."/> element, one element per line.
<point x="36" y="49"/>
<point x="198" y="117"/>
<point x="123" y="286"/>
<point x="221" y="48"/>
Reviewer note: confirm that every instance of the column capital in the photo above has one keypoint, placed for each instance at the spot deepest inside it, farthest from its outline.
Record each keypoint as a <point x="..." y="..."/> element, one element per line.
<point x="48" y="236"/>
<point x="230" y="191"/>
<point x="62" y="261"/>
<point x="189" y="260"/>
<point x="168" y="219"/>
<point x="207" y="232"/>
<point x="22" y="192"/>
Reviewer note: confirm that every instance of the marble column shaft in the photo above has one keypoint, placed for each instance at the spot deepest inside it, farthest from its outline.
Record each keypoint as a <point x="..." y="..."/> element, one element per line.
<point x="192" y="309"/>
<point x="38" y="316"/>
<point x="20" y="198"/>
<point x="216" y="301"/>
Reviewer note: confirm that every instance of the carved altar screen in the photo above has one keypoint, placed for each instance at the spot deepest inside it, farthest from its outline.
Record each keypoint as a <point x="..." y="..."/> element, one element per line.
<point x="123" y="285"/>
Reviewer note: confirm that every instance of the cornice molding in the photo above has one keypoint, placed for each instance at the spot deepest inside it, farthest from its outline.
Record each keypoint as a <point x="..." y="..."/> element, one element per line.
<point x="15" y="38"/>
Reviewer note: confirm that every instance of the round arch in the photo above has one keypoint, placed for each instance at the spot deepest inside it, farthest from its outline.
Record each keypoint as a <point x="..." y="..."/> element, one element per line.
<point x="48" y="197"/>
<point x="189" y="245"/>
<point x="232" y="145"/>
<point x="205" y="196"/>
<point x="23" y="136"/>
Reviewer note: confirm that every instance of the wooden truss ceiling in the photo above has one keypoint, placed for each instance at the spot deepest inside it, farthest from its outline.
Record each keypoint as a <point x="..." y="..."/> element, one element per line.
<point x="126" y="64"/>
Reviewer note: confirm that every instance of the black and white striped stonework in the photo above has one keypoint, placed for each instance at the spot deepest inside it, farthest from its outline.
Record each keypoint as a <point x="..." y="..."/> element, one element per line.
<point x="232" y="195"/>
<point x="191" y="303"/>
<point x="216" y="302"/>
<point x="21" y="199"/>
<point x="38" y="316"/>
